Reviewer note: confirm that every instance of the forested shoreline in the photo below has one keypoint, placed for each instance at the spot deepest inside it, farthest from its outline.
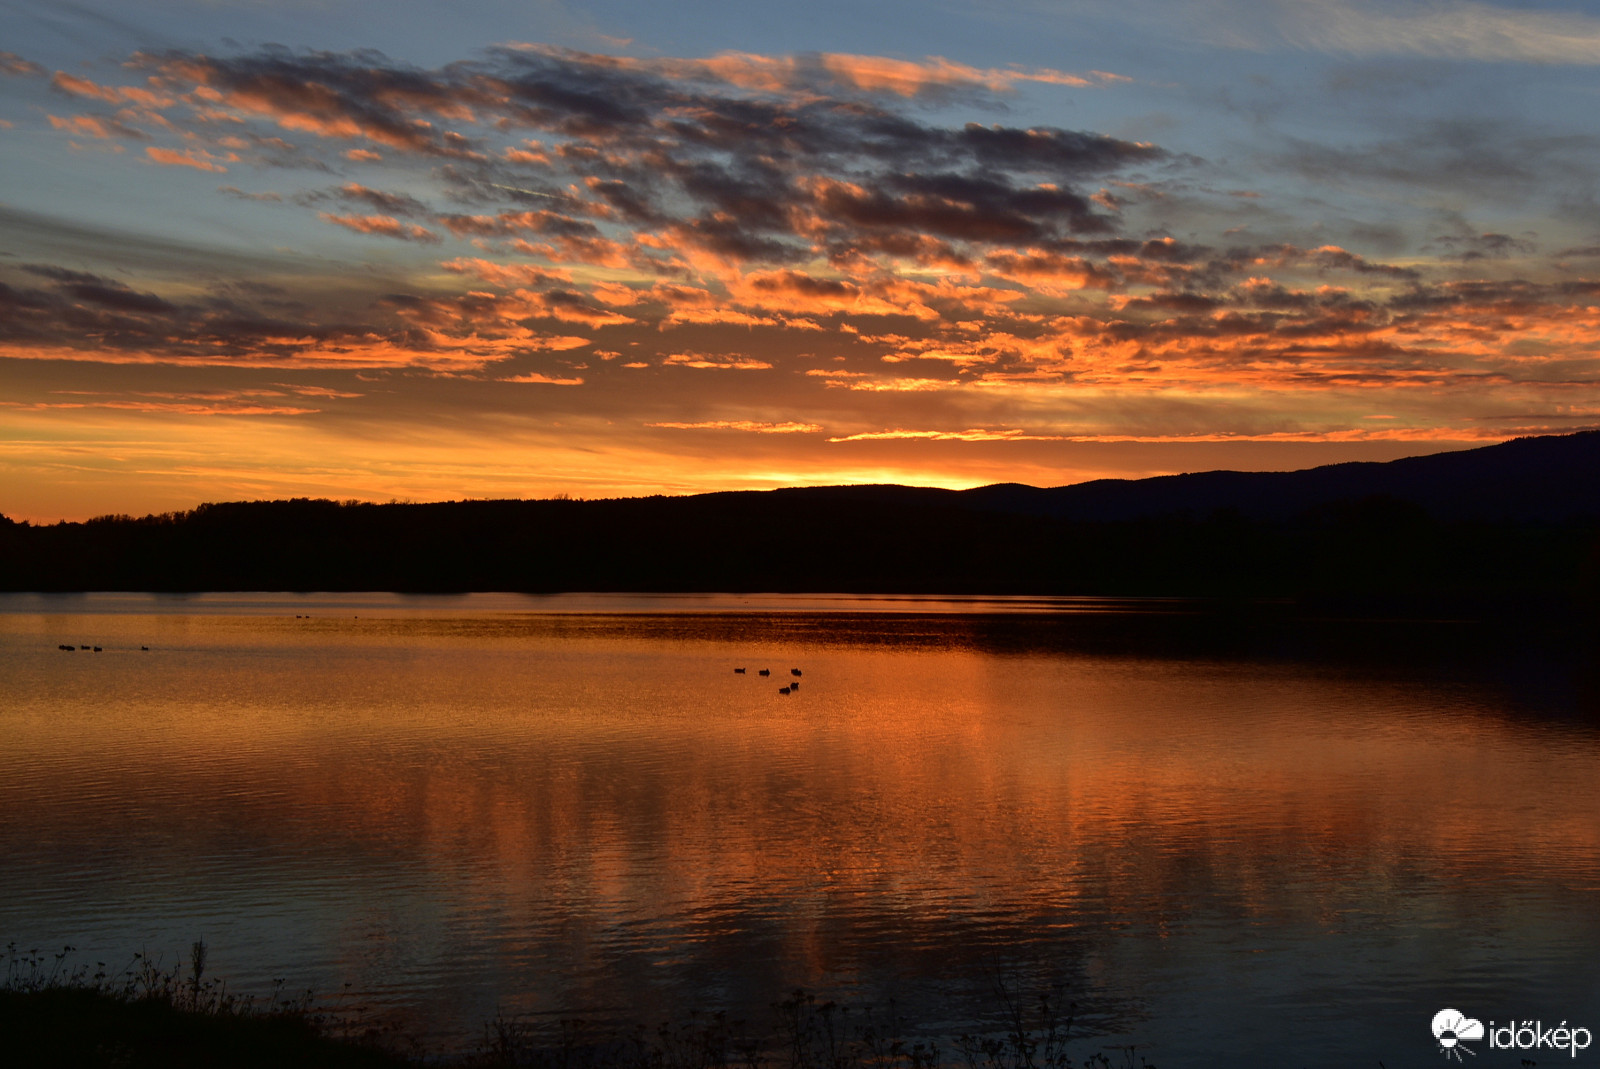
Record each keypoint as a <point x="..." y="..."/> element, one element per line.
<point x="1518" y="520"/>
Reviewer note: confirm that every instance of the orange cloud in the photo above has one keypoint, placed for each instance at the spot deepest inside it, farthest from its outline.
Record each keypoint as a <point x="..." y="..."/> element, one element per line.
<point x="514" y="222"/>
<point x="382" y="225"/>
<point x="792" y="291"/>
<point x="718" y="361"/>
<point x="722" y="316"/>
<point x="517" y="155"/>
<point x="498" y="274"/>
<point x="909" y="78"/>
<point x="13" y="64"/>
<point x="906" y="78"/>
<point x="539" y="377"/>
<point x="752" y="426"/>
<point x="896" y="385"/>
<point x="240" y="404"/>
<point x="96" y="126"/>
<point x="951" y="436"/>
<point x="199" y="160"/>
<point x="593" y="252"/>
<point x="110" y="94"/>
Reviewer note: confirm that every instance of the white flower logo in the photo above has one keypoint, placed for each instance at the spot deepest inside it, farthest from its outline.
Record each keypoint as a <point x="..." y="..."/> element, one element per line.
<point x="1451" y="1028"/>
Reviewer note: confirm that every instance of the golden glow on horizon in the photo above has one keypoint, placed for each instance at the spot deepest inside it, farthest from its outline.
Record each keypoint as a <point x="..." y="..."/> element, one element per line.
<point x="143" y="462"/>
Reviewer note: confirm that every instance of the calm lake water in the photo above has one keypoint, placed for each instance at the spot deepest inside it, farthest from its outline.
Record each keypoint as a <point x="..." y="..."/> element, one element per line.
<point x="1231" y="844"/>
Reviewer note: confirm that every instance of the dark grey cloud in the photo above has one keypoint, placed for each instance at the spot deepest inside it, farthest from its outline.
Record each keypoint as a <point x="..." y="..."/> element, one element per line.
<point x="78" y="310"/>
<point x="649" y="145"/>
<point x="400" y="204"/>
<point x="267" y="151"/>
<point x="1489" y="246"/>
<point x="1510" y="162"/>
<point x="235" y="191"/>
<point x="100" y="292"/>
<point x="125" y="248"/>
<point x="11" y="63"/>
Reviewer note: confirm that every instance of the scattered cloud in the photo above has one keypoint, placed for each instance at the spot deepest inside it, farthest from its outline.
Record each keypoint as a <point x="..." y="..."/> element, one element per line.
<point x="838" y="222"/>
<point x="381" y="225"/>
<point x="196" y="158"/>
<point x="751" y="426"/>
<point x="54" y="313"/>
<point x="1455" y="30"/>
<point x="547" y="380"/>
<point x="125" y="94"/>
<point x="97" y="126"/>
<point x="1491" y="246"/>
<point x="266" y="198"/>
<point x="238" y="402"/>
<point x="951" y="436"/>
<point x="389" y="203"/>
<point x="700" y="162"/>
<point x="717" y="361"/>
<point x="13" y="64"/>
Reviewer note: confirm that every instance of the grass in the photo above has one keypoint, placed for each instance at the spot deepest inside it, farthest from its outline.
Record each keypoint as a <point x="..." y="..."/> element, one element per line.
<point x="803" y="1034"/>
<point x="57" y="1014"/>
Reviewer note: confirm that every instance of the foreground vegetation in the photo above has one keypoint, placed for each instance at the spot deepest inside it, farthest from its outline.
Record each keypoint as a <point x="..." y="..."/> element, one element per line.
<point x="56" y="1014"/>
<point x="53" y="1013"/>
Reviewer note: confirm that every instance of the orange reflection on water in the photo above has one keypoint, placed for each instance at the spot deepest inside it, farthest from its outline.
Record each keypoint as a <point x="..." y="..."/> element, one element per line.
<point x="591" y="804"/>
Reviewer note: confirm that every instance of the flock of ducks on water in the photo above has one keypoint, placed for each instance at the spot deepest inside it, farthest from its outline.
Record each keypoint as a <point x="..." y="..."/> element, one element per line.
<point x="790" y="689"/>
<point x="793" y="686"/>
<point x="101" y="649"/>
<point x="97" y="649"/>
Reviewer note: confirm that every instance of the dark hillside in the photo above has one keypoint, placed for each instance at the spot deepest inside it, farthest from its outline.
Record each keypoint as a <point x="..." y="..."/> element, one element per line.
<point x="1517" y="520"/>
<point x="1528" y="480"/>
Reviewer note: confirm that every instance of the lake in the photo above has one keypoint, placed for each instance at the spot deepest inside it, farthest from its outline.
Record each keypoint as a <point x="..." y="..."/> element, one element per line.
<point x="1228" y="841"/>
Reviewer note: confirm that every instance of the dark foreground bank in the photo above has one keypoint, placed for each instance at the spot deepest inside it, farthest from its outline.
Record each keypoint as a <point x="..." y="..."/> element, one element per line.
<point x="83" y="1027"/>
<point x="149" y="1019"/>
<point x="54" y="1013"/>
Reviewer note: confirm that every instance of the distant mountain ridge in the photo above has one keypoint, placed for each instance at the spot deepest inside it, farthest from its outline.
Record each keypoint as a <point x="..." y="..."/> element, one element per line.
<point x="1547" y="479"/>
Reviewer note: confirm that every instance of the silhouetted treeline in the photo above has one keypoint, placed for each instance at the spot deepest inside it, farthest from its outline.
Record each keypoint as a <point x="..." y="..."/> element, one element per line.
<point x="1349" y="541"/>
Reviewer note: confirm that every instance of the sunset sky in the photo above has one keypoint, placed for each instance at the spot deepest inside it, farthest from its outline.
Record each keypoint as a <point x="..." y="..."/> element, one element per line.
<point x="427" y="251"/>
